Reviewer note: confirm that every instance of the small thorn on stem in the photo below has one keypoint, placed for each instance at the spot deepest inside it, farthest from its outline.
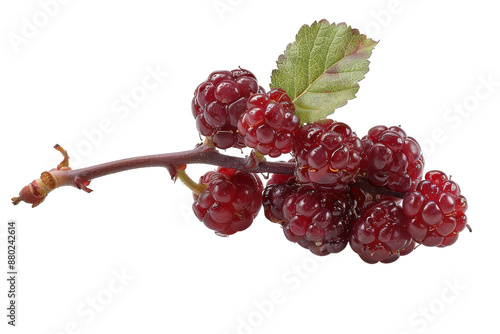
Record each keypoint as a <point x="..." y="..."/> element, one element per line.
<point x="82" y="184"/>
<point x="172" y="171"/>
<point x="254" y="159"/>
<point x="205" y="147"/>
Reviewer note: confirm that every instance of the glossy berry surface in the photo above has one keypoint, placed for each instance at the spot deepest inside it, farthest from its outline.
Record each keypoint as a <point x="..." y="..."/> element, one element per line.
<point x="270" y="123"/>
<point x="278" y="188"/>
<point x="379" y="234"/>
<point x="319" y="221"/>
<point x="219" y="102"/>
<point x="391" y="158"/>
<point x="436" y="210"/>
<point x="231" y="201"/>
<point x="327" y="155"/>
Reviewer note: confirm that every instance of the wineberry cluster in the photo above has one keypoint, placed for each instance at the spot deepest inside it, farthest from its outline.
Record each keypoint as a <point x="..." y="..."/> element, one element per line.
<point x="391" y="158"/>
<point x="230" y="202"/>
<point x="219" y="102"/>
<point x="337" y="189"/>
<point x="366" y="192"/>
<point x="269" y="124"/>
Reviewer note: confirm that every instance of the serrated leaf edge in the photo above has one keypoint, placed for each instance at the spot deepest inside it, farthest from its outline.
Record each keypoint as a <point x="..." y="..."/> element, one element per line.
<point x="354" y="32"/>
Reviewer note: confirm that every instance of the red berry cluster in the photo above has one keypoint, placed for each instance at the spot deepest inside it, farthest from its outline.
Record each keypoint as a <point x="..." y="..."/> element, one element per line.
<point x="379" y="233"/>
<point x="219" y="102"/>
<point x="230" y="202"/>
<point x="328" y="155"/>
<point x="436" y="210"/>
<point x="391" y="158"/>
<point x="270" y="123"/>
<point x="366" y="192"/>
<point x="318" y="220"/>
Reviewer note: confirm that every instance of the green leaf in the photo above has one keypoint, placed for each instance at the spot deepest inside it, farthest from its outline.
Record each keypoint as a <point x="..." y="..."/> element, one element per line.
<point x="321" y="69"/>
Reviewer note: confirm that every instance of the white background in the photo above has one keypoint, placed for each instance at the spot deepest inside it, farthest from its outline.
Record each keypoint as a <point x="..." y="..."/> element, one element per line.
<point x="70" y="74"/>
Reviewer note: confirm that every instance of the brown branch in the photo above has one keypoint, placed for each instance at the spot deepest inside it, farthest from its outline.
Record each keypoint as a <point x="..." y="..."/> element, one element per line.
<point x="63" y="175"/>
<point x="36" y="191"/>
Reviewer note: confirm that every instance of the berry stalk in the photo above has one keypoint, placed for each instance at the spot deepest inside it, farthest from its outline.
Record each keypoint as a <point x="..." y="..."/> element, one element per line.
<point x="364" y="184"/>
<point x="170" y="160"/>
<point x="63" y="175"/>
